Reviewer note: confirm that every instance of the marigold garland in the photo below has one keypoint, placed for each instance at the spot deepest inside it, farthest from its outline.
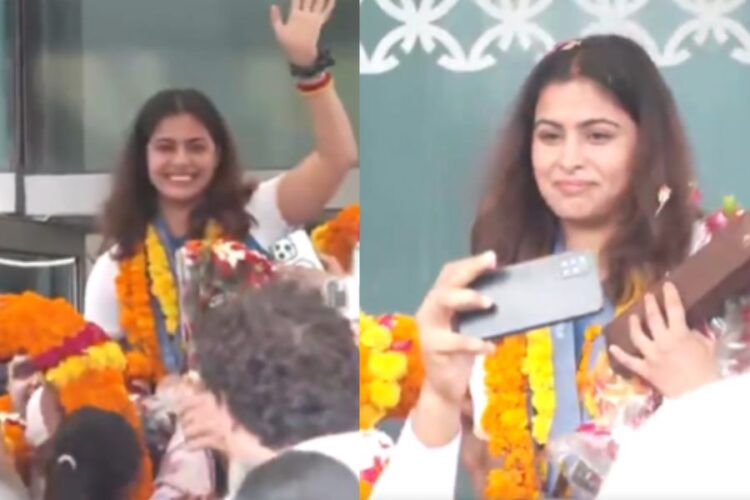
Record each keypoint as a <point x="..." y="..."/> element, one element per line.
<point x="506" y="421"/>
<point x="16" y="447"/>
<point x="162" y="280"/>
<point x="339" y="236"/>
<point x="538" y="366"/>
<point x="391" y="371"/>
<point x="91" y="376"/>
<point x="13" y="435"/>
<point x="144" y="359"/>
<point x="405" y="333"/>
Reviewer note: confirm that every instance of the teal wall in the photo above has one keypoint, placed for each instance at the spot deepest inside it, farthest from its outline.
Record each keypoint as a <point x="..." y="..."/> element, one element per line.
<point x="435" y="87"/>
<point x="437" y="79"/>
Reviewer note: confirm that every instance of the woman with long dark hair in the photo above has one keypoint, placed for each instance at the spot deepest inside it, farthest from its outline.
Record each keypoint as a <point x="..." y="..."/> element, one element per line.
<point x="180" y="178"/>
<point x="594" y="158"/>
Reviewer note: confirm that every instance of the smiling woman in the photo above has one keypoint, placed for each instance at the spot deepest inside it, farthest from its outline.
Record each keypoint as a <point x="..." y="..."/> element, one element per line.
<point x="180" y="178"/>
<point x="593" y="142"/>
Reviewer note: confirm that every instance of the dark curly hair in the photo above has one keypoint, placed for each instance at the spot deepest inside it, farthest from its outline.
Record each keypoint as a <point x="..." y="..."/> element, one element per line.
<point x="132" y="203"/>
<point x="101" y="457"/>
<point x="284" y="363"/>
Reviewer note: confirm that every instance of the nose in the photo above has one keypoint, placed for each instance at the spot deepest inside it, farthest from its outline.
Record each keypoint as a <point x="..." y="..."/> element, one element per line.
<point x="571" y="155"/>
<point x="181" y="156"/>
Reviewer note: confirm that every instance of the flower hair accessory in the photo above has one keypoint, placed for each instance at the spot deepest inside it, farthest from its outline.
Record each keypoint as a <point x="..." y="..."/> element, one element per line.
<point x="566" y="45"/>
<point x="67" y="459"/>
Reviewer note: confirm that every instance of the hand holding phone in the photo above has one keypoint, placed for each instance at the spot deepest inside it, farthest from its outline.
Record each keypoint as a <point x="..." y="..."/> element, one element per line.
<point x="535" y="293"/>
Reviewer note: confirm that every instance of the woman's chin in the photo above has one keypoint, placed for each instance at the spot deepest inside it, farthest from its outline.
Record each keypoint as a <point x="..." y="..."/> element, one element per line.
<point x="179" y="196"/>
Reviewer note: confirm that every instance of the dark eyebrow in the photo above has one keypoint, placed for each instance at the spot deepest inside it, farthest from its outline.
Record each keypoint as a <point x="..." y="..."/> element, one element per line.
<point x="584" y="124"/>
<point x="598" y="121"/>
<point x="550" y="123"/>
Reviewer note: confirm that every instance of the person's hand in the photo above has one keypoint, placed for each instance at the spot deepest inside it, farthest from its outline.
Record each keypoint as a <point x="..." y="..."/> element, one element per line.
<point x="448" y="356"/>
<point x="675" y="359"/>
<point x="332" y="266"/>
<point x="20" y="387"/>
<point x="299" y="35"/>
<point x="202" y="420"/>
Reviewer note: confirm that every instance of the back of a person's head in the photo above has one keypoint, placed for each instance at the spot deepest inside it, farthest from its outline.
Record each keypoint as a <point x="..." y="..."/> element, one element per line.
<point x="284" y="362"/>
<point x="297" y="475"/>
<point x="95" y="456"/>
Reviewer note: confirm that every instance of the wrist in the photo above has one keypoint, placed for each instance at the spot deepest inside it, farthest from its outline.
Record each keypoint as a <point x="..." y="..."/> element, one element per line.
<point x="315" y="86"/>
<point x="318" y="65"/>
<point x="436" y="420"/>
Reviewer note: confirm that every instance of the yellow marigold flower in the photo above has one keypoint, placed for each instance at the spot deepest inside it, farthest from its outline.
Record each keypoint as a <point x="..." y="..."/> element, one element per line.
<point x="390" y="366"/>
<point x="369" y="416"/>
<point x="384" y="394"/>
<point x="376" y="337"/>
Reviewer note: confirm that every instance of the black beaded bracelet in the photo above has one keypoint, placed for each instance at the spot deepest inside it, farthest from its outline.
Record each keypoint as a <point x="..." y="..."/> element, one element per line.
<point x="322" y="63"/>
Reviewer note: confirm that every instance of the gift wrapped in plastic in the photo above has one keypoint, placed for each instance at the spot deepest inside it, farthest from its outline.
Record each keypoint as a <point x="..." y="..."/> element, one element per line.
<point x="582" y="459"/>
<point x="208" y="274"/>
<point x="620" y="403"/>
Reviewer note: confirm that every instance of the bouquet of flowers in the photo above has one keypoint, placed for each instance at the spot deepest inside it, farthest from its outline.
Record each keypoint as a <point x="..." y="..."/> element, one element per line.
<point x="581" y="460"/>
<point x="209" y="274"/>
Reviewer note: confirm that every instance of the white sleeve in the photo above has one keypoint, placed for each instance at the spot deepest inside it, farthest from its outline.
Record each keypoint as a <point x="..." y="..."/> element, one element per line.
<point x="100" y="303"/>
<point x="479" y="396"/>
<point x="417" y="471"/>
<point x="270" y="225"/>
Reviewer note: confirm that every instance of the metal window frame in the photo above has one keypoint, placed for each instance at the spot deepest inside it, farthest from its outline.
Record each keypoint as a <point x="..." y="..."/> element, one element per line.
<point x="47" y="239"/>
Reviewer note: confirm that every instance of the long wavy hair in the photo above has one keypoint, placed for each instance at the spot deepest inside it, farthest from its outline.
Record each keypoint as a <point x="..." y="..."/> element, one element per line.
<point x="514" y="219"/>
<point x="132" y="203"/>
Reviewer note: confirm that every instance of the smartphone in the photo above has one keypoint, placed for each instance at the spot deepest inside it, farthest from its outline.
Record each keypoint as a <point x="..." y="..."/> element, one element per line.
<point x="535" y="293"/>
<point x="296" y="248"/>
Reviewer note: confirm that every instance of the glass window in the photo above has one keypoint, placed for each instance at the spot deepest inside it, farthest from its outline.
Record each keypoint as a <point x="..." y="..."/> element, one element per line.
<point x="7" y="31"/>
<point x="56" y="278"/>
<point x="92" y="63"/>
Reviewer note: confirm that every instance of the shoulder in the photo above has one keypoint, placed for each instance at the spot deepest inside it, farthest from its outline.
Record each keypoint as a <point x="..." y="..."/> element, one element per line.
<point x="100" y="301"/>
<point x="105" y="265"/>
<point x="263" y="206"/>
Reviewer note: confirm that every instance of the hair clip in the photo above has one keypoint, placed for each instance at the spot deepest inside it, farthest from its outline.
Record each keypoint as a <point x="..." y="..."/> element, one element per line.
<point x="665" y="193"/>
<point x="62" y="459"/>
<point x="566" y="45"/>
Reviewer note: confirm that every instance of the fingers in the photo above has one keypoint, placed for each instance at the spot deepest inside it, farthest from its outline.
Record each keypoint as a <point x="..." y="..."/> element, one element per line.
<point x="332" y="265"/>
<point x="460" y="273"/>
<point x="441" y="304"/>
<point x="674" y="309"/>
<point x="641" y="341"/>
<point x="632" y="363"/>
<point x="654" y="318"/>
<point x="276" y="19"/>
<point x="447" y="342"/>
<point x="328" y="9"/>
<point x="198" y="403"/>
<point x="459" y="300"/>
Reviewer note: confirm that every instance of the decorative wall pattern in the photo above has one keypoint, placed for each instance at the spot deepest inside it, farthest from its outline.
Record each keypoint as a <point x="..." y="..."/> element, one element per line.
<point x="424" y="25"/>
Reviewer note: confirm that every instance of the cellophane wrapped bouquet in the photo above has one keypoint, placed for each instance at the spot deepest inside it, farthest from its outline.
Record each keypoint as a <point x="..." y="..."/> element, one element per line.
<point x="210" y="273"/>
<point x="580" y="461"/>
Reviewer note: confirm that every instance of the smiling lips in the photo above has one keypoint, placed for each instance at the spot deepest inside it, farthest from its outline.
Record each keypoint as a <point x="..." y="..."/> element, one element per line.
<point x="572" y="187"/>
<point x="181" y="178"/>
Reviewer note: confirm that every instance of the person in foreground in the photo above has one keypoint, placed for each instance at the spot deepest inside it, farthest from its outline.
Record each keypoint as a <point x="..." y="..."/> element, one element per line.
<point x="283" y="370"/>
